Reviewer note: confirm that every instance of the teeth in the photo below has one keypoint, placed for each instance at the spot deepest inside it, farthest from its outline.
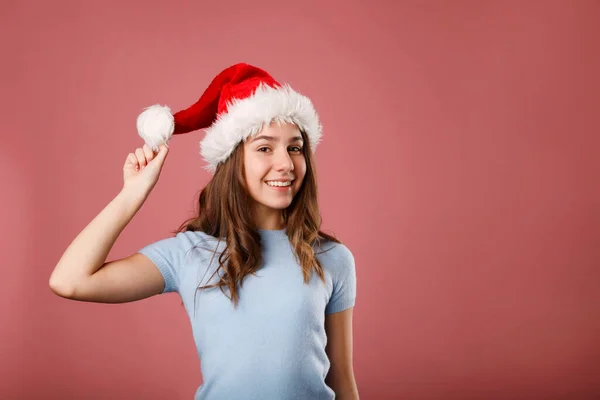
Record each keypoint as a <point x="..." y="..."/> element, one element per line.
<point x="279" y="183"/>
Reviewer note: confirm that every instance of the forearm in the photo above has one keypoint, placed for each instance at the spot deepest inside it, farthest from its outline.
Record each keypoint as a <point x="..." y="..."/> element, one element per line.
<point x="351" y="394"/>
<point x="344" y="389"/>
<point x="88" y="251"/>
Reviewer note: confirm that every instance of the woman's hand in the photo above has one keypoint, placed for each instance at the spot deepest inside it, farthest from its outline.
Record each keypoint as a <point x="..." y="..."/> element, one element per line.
<point x="142" y="169"/>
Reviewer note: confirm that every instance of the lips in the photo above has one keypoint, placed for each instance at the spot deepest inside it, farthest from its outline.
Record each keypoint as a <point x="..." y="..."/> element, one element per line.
<point x="280" y="180"/>
<point x="287" y="184"/>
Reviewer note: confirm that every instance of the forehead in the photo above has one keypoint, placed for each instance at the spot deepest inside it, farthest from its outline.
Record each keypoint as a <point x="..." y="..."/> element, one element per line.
<point x="283" y="131"/>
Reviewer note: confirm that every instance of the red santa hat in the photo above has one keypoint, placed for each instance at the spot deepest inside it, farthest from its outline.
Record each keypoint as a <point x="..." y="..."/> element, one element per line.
<point x="237" y="104"/>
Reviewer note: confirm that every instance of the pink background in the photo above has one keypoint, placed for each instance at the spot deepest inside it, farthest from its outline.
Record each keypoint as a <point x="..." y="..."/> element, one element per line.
<point x="459" y="164"/>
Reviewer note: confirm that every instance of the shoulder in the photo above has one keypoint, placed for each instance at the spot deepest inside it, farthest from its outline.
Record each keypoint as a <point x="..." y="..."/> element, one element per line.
<point x="198" y="240"/>
<point x="186" y="241"/>
<point x="335" y="256"/>
<point x="195" y="237"/>
<point x="338" y="262"/>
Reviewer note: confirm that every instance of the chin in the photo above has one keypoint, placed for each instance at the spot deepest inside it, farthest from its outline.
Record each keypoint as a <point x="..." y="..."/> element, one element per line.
<point x="275" y="203"/>
<point x="278" y="205"/>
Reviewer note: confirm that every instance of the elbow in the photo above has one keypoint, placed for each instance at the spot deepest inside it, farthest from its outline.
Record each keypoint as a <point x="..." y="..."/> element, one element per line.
<point x="60" y="287"/>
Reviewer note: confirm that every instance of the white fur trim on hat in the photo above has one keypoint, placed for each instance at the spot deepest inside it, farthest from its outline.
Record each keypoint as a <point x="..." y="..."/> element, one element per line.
<point x="247" y="116"/>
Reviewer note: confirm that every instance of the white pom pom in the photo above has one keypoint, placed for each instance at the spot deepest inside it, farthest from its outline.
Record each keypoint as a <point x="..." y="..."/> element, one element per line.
<point x="155" y="125"/>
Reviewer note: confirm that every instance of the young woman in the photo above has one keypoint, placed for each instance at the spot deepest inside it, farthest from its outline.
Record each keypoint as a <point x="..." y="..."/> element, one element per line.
<point x="269" y="296"/>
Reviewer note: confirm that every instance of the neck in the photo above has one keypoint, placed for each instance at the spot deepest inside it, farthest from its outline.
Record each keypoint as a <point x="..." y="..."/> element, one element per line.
<point x="268" y="218"/>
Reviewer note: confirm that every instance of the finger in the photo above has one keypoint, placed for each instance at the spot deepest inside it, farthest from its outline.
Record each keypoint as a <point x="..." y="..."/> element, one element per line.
<point x="131" y="159"/>
<point x="148" y="152"/>
<point x="162" y="153"/>
<point x="163" y="150"/>
<point x="139" y="153"/>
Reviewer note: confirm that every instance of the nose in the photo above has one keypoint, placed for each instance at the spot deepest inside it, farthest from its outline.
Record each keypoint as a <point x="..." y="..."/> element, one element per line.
<point x="283" y="161"/>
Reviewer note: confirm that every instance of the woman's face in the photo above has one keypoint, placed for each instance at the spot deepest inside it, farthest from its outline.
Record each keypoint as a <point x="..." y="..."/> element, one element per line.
<point x="274" y="166"/>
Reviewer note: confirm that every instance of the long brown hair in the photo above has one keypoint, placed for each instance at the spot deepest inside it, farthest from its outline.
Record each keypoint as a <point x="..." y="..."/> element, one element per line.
<point x="223" y="213"/>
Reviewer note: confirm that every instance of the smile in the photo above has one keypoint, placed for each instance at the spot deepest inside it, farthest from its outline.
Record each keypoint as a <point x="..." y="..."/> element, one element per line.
<point x="279" y="183"/>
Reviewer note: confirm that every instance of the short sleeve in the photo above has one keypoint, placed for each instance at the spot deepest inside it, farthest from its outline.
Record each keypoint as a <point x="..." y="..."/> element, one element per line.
<point x="169" y="256"/>
<point x="344" y="281"/>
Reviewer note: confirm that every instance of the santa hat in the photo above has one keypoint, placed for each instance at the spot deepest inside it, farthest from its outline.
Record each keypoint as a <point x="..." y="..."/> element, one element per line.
<point x="237" y="104"/>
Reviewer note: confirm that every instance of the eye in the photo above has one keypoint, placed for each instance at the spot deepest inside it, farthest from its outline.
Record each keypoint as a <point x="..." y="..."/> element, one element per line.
<point x="261" y="149"/>
<point x="296" y="149"/>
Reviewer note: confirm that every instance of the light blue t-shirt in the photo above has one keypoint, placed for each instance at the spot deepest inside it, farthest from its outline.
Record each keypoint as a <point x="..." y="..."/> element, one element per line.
<point x="273" y="345"/>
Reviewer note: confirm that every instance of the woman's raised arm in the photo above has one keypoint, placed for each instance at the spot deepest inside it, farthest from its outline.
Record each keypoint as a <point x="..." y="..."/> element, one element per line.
<point x="82" y="272"/>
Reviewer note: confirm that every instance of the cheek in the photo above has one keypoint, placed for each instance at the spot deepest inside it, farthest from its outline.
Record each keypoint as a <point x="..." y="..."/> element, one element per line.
<point x="255" y="174"/>
<point x="252" y="179"/>
<point x="254" y="168"/>
<point x="300" y="168"/>
<point x="249" y="175"/>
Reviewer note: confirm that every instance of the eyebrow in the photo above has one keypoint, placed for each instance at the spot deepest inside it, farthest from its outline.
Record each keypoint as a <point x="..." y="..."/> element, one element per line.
<point x="274" y="139"/>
